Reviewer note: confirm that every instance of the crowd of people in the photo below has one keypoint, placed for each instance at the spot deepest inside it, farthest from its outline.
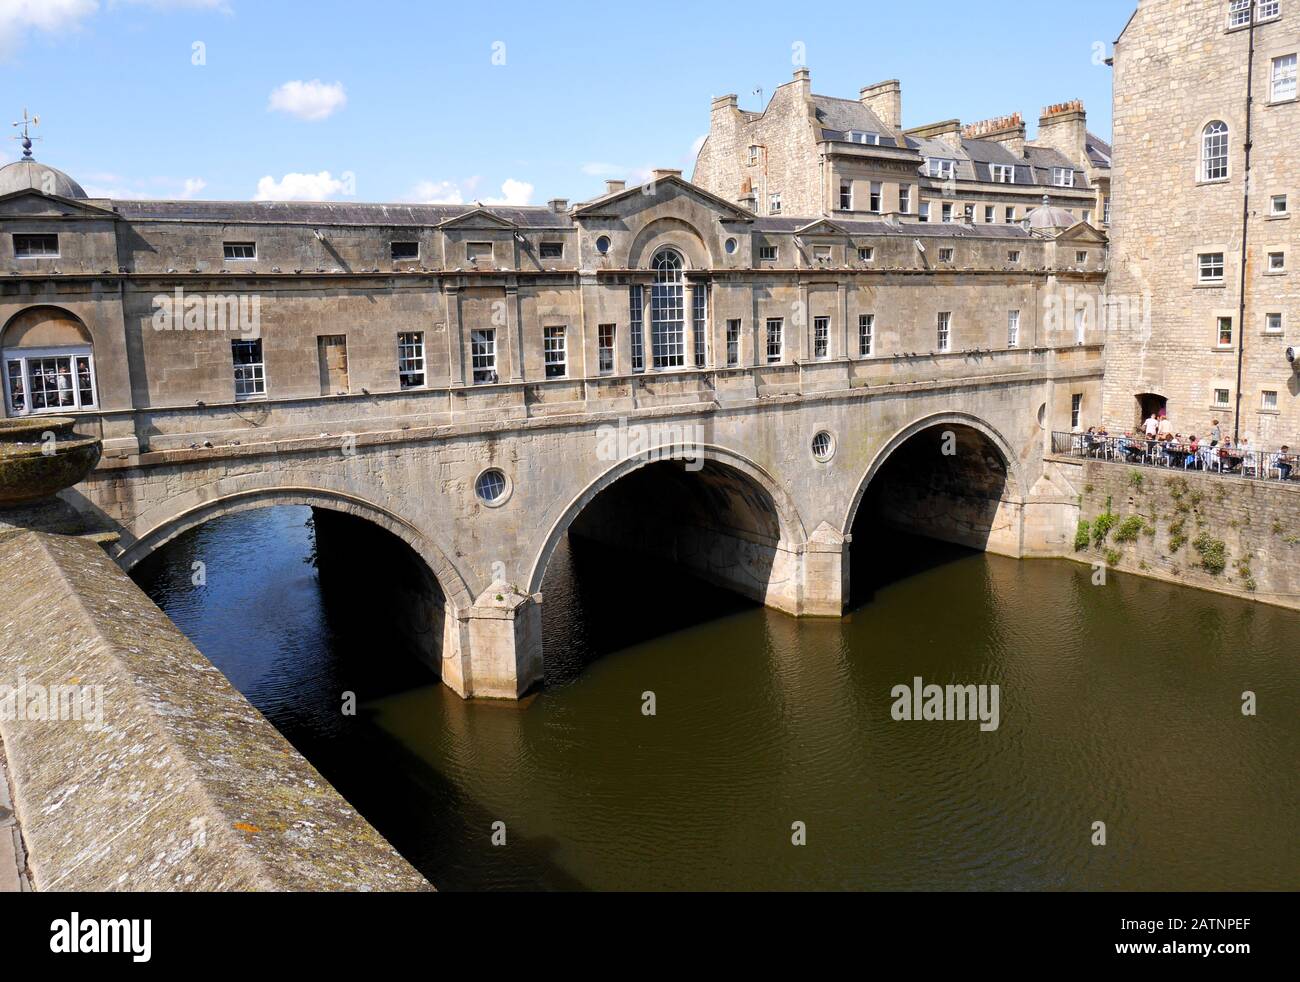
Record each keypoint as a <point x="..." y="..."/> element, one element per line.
<point x="1157" y="443"/>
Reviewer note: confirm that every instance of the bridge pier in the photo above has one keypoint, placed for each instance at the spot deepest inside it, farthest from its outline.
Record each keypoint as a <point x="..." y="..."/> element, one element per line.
<point x="500" y="654"/>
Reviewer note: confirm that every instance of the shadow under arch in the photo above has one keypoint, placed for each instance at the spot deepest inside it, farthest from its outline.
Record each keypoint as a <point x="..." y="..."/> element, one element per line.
<point x="788" y="527"/>
<point x="157" y="535"/>
<point x="1010" y="460"/>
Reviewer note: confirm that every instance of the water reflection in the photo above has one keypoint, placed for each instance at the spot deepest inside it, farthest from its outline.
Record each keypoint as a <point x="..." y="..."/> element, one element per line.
<point x="1119" y="704"/>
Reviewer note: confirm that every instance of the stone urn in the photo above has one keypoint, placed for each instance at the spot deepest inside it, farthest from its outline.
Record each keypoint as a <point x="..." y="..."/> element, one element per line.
<point x="40" y="456"/>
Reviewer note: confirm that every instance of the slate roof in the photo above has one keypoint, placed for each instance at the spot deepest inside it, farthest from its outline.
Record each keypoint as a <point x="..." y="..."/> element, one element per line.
<point x="326" y="213"/>
<point x="790" y="225"/>
<point x="842" y="115"/>
<point x="1099" y="151"/>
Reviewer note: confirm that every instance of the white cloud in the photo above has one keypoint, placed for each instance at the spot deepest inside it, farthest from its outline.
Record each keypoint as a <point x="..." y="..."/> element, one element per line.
<point x="220" y="5"/>
<point x="312" y="101"/>
<point x="513" y="193"/>
<point x="124" y="189"/>
<point x="300" y="187"/>
<point x="17" y="17"/>
<point x="438" y="193"/>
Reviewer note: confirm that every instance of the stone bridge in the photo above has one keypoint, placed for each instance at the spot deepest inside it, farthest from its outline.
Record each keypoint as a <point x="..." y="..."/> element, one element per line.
<point x="756" y="484"/>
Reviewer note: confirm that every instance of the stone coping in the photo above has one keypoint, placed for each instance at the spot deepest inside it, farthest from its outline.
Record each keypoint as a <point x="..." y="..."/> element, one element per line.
<point x="170" y="779"/>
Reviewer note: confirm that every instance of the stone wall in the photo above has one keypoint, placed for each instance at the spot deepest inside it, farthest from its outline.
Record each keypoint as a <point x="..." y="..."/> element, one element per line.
<point x="153" y="773"/>
<point x="1177" y="68"/>
<point x="1225" y="534"/>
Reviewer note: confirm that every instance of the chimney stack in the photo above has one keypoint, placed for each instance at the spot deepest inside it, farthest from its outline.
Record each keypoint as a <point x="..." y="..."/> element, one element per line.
<point x="885" y="99"/>
<point x="1064" y="127"/>
<point x="662" y="173"/>
<point x="949" y="131"/>
<point x="612" y="187"/>
<point x="558" y="205"/>
<point x="1006" y="130"/>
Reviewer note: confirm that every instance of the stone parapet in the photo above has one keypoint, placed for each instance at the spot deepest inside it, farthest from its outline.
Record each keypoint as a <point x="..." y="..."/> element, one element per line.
<point x="137" y="766"/>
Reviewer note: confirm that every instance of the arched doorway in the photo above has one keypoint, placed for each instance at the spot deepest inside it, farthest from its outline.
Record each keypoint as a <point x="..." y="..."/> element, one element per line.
<point x="1150" y="404"/>
<point x="48" y="363"/>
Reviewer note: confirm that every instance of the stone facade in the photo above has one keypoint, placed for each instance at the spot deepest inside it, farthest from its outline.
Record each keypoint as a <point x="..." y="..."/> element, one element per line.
<point x="1180" y="68"/>
<point x="774" y="332"/>
<point x="847" y="158"/>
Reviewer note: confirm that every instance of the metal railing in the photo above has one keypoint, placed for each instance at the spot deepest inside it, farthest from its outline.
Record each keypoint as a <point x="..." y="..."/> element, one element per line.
<point x="1261" y="465"/>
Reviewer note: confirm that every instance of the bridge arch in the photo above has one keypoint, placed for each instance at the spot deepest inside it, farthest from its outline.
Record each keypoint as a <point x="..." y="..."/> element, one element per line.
<point x="1002" y="474"/>
<point x="737" y="486"/>
<point x="160" y="529"/>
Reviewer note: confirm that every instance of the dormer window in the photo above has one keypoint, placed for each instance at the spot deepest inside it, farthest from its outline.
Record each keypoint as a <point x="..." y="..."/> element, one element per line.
<point x="940" y="168"/>
<point x="1063" y="177"/>
<point x="858" y="136"/>
<point x="36" y="247"/>
<point x="1003" y="174"/>
<point x="239" y="251"/>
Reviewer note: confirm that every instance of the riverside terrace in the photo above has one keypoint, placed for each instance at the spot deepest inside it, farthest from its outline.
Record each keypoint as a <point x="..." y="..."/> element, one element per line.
<point x="1262" y="465"/>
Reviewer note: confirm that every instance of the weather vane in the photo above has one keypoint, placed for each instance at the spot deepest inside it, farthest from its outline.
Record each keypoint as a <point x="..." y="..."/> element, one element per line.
<point x="26" y="123"/>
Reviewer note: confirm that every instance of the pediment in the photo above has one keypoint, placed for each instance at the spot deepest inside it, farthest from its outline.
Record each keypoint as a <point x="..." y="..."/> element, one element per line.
<point x="1082" y="232"/>
<point x="822" y="226"/>
<point x="651" y="194"/>
<point x="480" y="218"/>
<point x="30" y="203"/>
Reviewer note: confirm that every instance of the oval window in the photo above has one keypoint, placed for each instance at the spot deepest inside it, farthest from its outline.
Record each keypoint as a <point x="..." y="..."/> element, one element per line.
<point x="823" y="446"/>
<point x="491" y="487"/>
<point x="603" y="244"/>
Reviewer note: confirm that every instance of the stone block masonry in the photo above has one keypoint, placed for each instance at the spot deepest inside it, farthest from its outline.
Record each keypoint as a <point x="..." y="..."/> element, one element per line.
<point x="1226" y="534"/>
<point x="170" y="780"/>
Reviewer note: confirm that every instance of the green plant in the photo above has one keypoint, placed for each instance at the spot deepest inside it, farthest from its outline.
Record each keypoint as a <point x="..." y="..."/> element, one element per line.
<point x="1213" y="553"/>
<point x="1103" y="523"/>
<point x="1113" y="557"/>
<point x="1278" y="527"/>
<point x="1135" y="479"/>
<point x="1130" y="529"/>
<point x="1082" y="535"/>
<point x="1177" y="487"/>
<point x="1177" y="535"/>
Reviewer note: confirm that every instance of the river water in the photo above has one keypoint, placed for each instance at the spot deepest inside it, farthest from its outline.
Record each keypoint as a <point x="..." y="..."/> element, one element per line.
<point x="1119" y="704"/>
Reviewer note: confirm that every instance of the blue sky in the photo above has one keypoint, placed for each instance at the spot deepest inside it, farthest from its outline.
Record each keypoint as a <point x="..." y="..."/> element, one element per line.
<point x="488" y="101"/>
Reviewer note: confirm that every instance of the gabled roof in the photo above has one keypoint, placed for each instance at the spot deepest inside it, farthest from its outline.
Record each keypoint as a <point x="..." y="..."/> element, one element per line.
<point x="843" y="115"/>
<point x="327" y="213"/>
<point x="1083" y="232"/>
<point x="735" y="212"/>
<point x="477" y="217"/>
<point x="821" y="226"/>
<point x="76" y="205"/>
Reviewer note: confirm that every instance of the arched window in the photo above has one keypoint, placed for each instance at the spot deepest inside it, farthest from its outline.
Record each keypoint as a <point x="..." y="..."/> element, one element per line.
<point x="668" y="311"/>
<point x="1214" y="151"/>
<point x="49" y="365"/>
